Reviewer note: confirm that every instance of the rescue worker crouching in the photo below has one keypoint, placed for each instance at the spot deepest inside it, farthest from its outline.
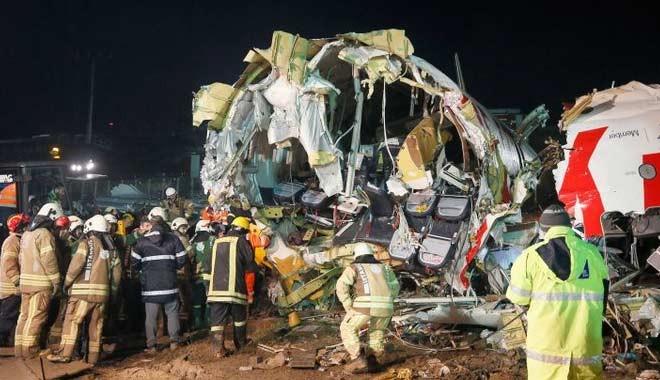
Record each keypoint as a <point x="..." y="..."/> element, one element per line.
<point x="375" y="287"/>
<point x="563" y="281"/>
<point x="39" y="279"/>
<point x="157" y="256"/>
<point x="10" y="295"/>
<point x="231" y="259"/>
<point x="88" y="283"/>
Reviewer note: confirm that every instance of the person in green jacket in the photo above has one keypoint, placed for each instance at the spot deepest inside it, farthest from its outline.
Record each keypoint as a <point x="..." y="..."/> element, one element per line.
<point x="563" y="281"/>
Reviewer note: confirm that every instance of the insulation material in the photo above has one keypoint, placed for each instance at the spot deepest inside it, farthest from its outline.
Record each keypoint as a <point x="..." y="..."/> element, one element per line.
<point x="212" y="102"/>
<point x="330" y="179"/>
<point x="314" y="135"/>
<point x="377" y="64"/>
<point x="289" y="53"/>
<point x="417" y="150"/>
<point x="614" y="155"/>
<point x="393" y="41"/>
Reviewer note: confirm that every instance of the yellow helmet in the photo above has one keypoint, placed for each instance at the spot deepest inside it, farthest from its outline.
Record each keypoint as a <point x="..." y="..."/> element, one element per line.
<point x="241" y="222"/>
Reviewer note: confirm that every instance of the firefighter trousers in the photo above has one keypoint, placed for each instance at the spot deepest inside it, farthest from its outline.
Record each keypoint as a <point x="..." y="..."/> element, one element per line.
<point x="9" y="310"/>
<point x="220" y="313"/>
<point x="185" y="300"/>
<point x="351" y="325"/>
<point x="76" y="312"/>
<point x="33" y="316"/>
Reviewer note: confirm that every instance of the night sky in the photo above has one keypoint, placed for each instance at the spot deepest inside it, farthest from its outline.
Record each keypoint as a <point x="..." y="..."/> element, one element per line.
<point x="151" y="57"/>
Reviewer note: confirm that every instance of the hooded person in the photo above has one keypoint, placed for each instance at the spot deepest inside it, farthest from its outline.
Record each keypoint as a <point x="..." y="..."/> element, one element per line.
<point x="157" y="256"/>
<point x="10" y="295"/>
<point x="39" y="279"/>
<point x="367" y="289"/>
<point x="563" y="281"/>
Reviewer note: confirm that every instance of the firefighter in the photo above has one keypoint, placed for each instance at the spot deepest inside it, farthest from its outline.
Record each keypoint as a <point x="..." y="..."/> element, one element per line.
<point x="176" y="206"/>
<point x="88" y="283"/>
<point x="10" y="295"/>
<point x="39" y="279"/>
<point x="374" y="286"/>
<point x="184" y="275"/>
<point x="231" y="259"/>
<point x="115" y="269"/>
<point x="202" y="243"/>
<point x="130" y="278"/>
<point x="75" y="232"/>
<point x="63" y="251"/>
<point x="563" y="280"/>
<point x="157" y="255"/>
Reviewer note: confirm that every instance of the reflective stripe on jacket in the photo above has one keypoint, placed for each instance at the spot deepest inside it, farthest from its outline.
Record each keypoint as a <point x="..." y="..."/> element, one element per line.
<point x="88" y="274"/>
<point x="375" y="287"/>
<point x="232" y="256"/>
<point x="9" y="268"/>
<point x="568" y="310"/>
<point x="38" y="262"/>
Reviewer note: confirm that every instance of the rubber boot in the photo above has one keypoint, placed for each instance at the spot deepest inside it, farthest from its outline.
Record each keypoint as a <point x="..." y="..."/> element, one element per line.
<point x="218" y="339"/>
<point x="356" y="366"/>
<point x="198" y="317"/>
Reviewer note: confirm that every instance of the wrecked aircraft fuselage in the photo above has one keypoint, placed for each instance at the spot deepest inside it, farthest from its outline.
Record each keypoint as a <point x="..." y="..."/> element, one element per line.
<point x="354" y="138"/>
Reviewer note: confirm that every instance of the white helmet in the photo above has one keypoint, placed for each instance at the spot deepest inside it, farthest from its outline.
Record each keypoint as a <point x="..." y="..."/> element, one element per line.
<point x="157" y="211"/>
<point x="110" y="218"/>
<point x="178" y="222"/>
<point x="362" y="249"/>
<point x="51" y="210"/>
<point x="75" y="222"/>
<point x="170" y="192"/>
<point x="96" y="223"/>
<point x="203" y="225"/>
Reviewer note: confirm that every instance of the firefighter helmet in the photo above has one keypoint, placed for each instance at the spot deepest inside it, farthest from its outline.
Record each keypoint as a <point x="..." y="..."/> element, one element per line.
<point x="203" y="225"/>
<point x="170" y="192"/>
<point x="62" y="223"/>
<point x="96" y="223"/>
<point x="17" y="221"/>
<point x="241" y="222"/>
<point x="111" y="219"/>
<point x="157" y="211"/>
<point x="51" y="210"/>
<point x="178" y="222"/>
<point x="362" y="249"/>
<point x="75" y="222"/>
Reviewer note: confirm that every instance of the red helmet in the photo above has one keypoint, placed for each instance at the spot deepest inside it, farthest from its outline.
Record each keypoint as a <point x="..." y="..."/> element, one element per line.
<point x="62" y="222"/>
<point x="17" y="221"/>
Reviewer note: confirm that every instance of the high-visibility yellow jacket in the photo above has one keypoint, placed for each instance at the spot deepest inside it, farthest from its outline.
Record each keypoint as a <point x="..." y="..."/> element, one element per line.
<point x="374" y="285"/>
<point x="9" y="268"/>
<point x="38" y="261"/>
<point x="563" y="280"/>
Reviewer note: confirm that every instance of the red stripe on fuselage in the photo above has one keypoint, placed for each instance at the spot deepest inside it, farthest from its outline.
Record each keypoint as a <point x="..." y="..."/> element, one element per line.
<point x="579" y="183"/>
<point x="652" y="186"/>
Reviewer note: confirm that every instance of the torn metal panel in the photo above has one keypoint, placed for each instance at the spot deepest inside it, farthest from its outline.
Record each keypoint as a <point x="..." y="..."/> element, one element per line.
<point x="416" y="152"/>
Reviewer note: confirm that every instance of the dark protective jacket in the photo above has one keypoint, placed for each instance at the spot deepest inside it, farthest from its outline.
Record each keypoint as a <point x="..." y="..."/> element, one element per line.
<point x="232" y="257"/>
<point x="203" y="246"/>
<point x="157" y="255"/>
